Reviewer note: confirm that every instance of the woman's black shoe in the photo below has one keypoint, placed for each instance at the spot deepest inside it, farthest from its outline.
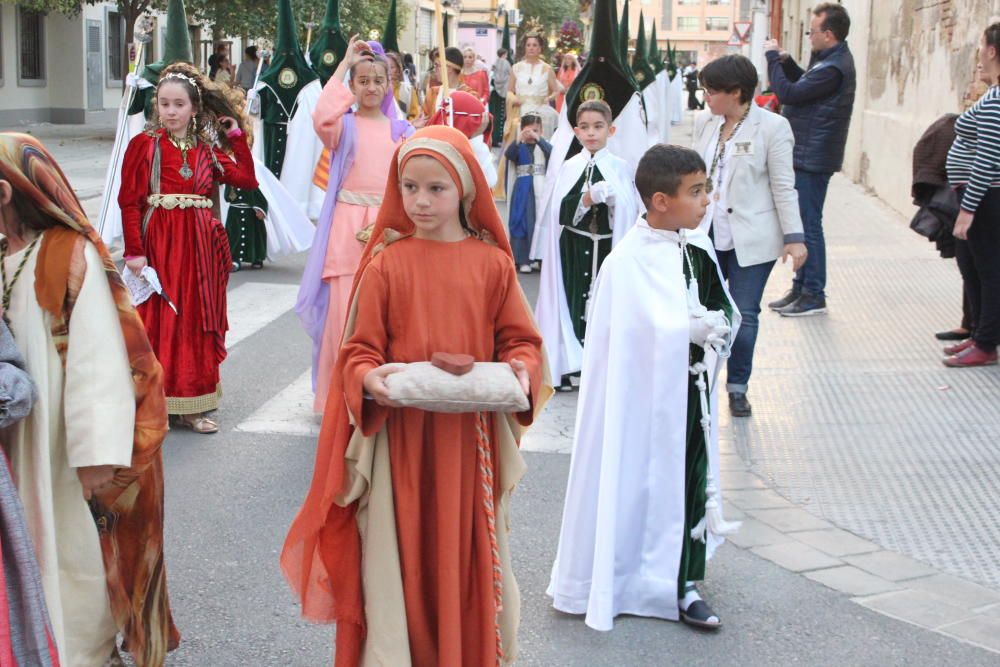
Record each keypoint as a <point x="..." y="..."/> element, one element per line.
<point x="954" y="334"/>
<point x="700" y="615"/>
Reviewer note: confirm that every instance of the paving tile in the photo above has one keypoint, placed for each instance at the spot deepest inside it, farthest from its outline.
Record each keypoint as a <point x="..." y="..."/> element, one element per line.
<point x="978" y="630"/>
<point x="836" y="542"/>
<point x="958" y="591"/>
<point x="789" y="520"/>
<point x="851" y="580"/>
<point x="890" y="565"/>
<point x="741" y="479"/>
<point x="993" y="611"/>
<point x="917" y="607"/>
<point x="796" y="557"/>
<point x="757" y="499"/>
<point x="755" y="534"/>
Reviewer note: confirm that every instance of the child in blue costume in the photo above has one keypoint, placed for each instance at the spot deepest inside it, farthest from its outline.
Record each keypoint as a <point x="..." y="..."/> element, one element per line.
<point x="528" y="158"/>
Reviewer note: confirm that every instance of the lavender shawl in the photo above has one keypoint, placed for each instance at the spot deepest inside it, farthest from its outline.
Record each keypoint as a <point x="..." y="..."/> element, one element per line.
<point x="28" y="633"/>
<point x="314" y="292"/>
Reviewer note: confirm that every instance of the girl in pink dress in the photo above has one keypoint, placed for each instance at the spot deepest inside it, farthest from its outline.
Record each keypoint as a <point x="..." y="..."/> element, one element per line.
<point x="345" y="120"/>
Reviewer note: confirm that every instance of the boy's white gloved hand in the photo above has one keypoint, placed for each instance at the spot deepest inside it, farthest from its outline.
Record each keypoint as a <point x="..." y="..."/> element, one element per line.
<point x="600" y="193"/>
<point x="710" y="329"/>
<point x="136" y="81"/>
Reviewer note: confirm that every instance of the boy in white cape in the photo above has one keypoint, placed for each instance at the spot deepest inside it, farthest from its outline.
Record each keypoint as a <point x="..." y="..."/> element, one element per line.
<point x="593" y="204"/>
<point x="643" y="510"/>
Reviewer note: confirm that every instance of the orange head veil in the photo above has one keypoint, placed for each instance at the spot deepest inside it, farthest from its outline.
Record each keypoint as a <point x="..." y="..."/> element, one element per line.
<point x="322" y="554"/>
<point x="453" y="150"/>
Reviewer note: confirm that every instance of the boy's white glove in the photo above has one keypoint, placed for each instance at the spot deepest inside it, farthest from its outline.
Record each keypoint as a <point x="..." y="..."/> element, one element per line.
<point x="710" y="330"/>
<point x="136" y="81"/>
<point x="600" y="192"/>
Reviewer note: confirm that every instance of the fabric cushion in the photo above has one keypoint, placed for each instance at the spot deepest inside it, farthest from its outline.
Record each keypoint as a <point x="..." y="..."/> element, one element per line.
<point x="489" y="387"/>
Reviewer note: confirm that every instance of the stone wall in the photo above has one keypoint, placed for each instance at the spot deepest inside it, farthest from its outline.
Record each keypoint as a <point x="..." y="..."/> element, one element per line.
<point x="915" y="61"/>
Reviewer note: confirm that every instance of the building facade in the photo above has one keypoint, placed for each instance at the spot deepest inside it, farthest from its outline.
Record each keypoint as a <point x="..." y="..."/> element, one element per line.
<point x="60" y="69"/>
<point x="699" y="29"/>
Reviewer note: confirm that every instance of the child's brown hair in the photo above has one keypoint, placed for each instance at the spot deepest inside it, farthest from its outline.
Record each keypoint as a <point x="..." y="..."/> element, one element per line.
<point x="595" y="106"/>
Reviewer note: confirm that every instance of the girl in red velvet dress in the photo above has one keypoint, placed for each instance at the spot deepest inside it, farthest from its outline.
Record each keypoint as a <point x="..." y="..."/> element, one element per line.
<point x="169" y="176"/>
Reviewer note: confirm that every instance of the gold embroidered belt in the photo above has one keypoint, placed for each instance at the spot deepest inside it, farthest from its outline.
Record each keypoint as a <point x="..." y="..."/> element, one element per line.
<point x="171" y="202"/>
<point x="539" y="100"/>
<point x="359" y="198"/>
<point x="530" y="170"/>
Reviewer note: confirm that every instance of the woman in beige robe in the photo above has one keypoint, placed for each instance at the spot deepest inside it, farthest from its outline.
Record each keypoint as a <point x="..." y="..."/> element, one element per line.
<point x="75" y="450"/>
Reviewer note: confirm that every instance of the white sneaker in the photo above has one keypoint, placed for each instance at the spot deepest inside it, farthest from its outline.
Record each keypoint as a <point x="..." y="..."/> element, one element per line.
<point x="524" y="268"/>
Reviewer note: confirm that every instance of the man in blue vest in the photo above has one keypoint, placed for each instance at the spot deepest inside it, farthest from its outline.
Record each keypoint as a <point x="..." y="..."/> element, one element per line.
<point x="817" y="103"/>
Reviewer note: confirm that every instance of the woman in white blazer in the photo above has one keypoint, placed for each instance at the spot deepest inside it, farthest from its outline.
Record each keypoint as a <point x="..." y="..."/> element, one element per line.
<point x="753" y="211"/>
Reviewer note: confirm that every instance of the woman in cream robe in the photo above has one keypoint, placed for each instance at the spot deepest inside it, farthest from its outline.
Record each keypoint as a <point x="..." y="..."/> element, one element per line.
<point x="83" y="417"/>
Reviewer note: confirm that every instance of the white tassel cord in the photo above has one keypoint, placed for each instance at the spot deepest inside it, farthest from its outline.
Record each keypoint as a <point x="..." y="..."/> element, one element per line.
<point x="713" y="522"/>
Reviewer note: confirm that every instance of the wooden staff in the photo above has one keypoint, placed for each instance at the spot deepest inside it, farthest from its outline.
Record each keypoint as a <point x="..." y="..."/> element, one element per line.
<point x="442" y="63"/>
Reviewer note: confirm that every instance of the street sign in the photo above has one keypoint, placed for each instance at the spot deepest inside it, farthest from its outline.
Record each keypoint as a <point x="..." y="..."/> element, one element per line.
<point x="742" y="30"/>
<point x="734" y="40"/>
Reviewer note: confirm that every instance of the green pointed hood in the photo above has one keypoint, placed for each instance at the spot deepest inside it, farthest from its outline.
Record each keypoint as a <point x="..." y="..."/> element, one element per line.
<point x="654" y="58"/>
<point x="330" y="45"/>
<point x="641" y="69"/>
<point x="605" y="76"/>
<point x="671" y="60"/>
<point x="176" y="44"/>
<point x="389" y="41"/>
<point x="288" y="72"/>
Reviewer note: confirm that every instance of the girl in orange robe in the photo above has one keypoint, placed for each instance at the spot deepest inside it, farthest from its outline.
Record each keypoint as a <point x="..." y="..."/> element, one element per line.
<point x="402" y="539"/>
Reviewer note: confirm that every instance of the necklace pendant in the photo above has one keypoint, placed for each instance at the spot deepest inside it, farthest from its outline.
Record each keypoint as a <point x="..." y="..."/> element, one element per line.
<point x="185" y="171"/>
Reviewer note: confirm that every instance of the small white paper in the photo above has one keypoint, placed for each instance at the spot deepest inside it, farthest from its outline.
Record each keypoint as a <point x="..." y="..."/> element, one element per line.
<point x="137" y="287"/>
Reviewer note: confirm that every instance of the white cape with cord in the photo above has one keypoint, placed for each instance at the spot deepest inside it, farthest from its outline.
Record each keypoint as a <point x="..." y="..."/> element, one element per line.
<point x="288" y="229"/>
<point x="665" y="92"/>
<point x="629" y="142"/>
<point x="623" y="521"/>
<point x="552" y="311"/>
<point x="677" y="99"/>
<point x="302" y="152"/>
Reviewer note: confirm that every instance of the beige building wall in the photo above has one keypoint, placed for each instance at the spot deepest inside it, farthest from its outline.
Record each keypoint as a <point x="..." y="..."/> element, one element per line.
<point x="686" y="25"/>
<point x="915" y="61"/>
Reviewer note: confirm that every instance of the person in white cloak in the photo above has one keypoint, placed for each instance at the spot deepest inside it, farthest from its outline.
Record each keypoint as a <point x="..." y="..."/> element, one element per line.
<point x="643" y="509"/>
<point x="593" y="204"/>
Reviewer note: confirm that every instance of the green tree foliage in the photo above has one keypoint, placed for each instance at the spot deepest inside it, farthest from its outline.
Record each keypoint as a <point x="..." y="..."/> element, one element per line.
<point x="550" y="14"/>
<point x="258" y="18"/>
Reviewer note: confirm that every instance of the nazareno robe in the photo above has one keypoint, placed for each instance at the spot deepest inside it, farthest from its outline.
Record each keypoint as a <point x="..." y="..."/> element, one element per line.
<point x="639" y="472"/>
<point x="247" y="233"/>
<point x="190" y="251"/>
<point x="553" y="311"/>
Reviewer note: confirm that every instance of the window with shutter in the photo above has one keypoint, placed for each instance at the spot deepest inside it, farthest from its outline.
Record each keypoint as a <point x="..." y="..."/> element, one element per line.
<point x="31" y="47"/>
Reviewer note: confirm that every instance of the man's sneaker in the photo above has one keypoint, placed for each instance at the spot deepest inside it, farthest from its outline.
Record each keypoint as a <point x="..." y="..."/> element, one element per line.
<point x="739" y="406"/>
<point x="973" y="356"/>
<point x="807" y="304"/>
<point x="787" y="300"/>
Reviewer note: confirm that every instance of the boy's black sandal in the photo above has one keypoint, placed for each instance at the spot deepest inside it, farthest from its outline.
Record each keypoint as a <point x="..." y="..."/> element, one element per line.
<point x="700" y="615"/>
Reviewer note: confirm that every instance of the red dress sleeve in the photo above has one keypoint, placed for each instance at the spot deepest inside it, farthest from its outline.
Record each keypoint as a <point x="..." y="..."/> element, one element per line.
<point x="517" y="337"/>
<point x="366" y="350"/>
<point x="239" y="172"/>
<point x="133" y="192"/>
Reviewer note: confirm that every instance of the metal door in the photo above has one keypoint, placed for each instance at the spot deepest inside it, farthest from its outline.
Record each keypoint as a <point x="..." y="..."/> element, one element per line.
<point x="95" y="67"/>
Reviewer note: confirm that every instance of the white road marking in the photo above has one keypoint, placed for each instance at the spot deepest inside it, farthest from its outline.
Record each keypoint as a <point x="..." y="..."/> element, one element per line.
<point x="289" y="411"/>
<point x="252" y="306"/>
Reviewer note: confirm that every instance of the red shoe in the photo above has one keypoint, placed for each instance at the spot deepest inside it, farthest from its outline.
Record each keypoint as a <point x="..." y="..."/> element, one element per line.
<point x="973" y="356"/>
<point x="958" y="348"/>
